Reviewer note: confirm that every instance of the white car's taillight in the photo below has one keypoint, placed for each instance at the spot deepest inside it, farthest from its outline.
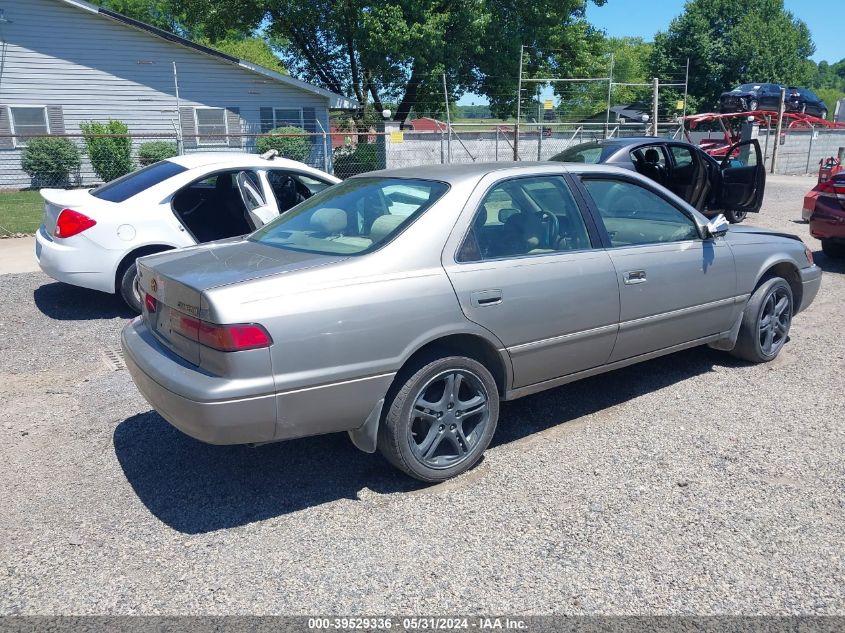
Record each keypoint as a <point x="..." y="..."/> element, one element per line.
<point x="70" y="223"/>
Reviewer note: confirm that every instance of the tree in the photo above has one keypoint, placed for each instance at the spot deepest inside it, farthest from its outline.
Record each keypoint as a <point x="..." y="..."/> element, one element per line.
<point x="395" y="50"/>
<point x="729" y="42"/>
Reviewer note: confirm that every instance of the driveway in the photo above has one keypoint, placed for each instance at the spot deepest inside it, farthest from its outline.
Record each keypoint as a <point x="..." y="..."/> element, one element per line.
<point x="690" y="484"/>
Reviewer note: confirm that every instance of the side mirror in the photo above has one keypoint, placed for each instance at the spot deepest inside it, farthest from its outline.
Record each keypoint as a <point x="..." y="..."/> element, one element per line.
<point x="718" y="226"/>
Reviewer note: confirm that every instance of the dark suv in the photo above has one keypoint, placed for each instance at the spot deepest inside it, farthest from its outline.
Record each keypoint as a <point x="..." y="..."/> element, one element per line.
<point x="806" y="101"/>
<point x="750" y="97"/>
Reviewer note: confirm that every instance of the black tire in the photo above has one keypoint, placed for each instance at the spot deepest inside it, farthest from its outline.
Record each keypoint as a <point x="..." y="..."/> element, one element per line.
<point x="753" y="105"/>
<point x="129" y="288"/>
<point x="823" y="114"/>
<point x="735" y="217"/>
<point x="833" y="249"/>
<point x="411" y="434"/>
<point x="762" y="318"/>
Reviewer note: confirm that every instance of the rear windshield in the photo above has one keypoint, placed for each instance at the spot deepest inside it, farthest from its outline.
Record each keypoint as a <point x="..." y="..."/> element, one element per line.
<point x="127" y="186"/>
<point x="351" y="218"/>
<point x="585" y="153"/>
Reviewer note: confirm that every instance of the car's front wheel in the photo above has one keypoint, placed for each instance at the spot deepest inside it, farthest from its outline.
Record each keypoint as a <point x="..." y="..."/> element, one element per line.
<point x="753" y="105"/>
<point x="735" y="217"/>
<point x="823" y="114"/>
<point x="440" y="419"/>
<point x="129" y="289"/>
<point x="766" y="322"/>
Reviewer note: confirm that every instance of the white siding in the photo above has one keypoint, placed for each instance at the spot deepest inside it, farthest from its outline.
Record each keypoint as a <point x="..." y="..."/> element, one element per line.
<point x="96" y="68"/>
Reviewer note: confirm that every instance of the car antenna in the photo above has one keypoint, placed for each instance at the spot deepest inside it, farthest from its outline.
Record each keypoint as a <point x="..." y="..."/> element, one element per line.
<point x="270" y="154"/>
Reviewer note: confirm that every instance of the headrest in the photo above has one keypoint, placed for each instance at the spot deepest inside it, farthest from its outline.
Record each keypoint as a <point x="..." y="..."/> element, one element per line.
<point x="652" y="155"/>
<point x="384" y="225"/>
<point x="505" y="213"/>
<point x="329" y="220"/>
<point x="528" y="228"/>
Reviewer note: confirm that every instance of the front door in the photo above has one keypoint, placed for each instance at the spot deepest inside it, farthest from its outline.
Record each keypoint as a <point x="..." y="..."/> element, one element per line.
<point x="675" y="287"/>
<point x="688" y="177"/>
<point x="528" y="272"/>
<point x="743" y="178"/>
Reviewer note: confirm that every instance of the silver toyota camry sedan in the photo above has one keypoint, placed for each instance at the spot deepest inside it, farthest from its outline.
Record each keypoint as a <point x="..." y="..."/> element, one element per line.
<point x="402" y="306"/>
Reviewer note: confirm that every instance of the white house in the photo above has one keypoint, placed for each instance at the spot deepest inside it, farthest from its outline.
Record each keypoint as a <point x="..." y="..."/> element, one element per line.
<point x="63" y="62"/>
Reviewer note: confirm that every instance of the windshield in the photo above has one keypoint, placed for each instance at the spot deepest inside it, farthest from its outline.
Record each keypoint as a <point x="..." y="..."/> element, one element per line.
<point x="585" y="153"/>
<point x="135" y="182"/>
<point x="351" y="218"/>
<point x="747" y="88"/>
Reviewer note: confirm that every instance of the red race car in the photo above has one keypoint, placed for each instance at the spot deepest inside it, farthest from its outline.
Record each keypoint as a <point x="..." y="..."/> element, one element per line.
<point x="828" y="167"/>
<point x="827" y="221"/>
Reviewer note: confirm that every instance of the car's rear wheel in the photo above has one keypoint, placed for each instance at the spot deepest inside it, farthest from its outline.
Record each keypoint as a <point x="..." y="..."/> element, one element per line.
<point x="766" y="322"/>
<point x="753" y="105"/>
<point x="441" y="419"/>
<point x="735" y="217"/>
<point x="823" y="114"/>
<point x="833" y="249"/>
<point x="129" y="289"/>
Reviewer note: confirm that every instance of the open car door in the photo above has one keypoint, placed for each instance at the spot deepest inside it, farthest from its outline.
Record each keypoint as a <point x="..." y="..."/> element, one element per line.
<point x="743" y="178"/>
<point x="259" y="212"/>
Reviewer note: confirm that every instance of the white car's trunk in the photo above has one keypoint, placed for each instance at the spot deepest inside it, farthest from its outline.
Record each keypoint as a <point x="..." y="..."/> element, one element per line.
<point x="81" y="200"/>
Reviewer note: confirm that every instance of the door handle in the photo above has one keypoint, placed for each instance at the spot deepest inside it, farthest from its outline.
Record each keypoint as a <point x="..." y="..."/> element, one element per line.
<point x="634" y="277"/>
<point x="481" y="298"/>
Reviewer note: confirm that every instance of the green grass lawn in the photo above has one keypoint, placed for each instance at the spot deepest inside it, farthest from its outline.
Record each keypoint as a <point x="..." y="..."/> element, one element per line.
<point x="20" y="211"/>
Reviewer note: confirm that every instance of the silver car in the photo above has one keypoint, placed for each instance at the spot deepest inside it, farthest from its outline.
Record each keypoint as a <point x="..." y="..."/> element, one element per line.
<point x="401" y="306"/>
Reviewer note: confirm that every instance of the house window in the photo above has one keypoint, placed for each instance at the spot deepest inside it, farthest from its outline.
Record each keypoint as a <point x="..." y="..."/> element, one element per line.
<point x="283" y="117"/>
<point x="29" y="121"/>
<point x="211" y="126"/>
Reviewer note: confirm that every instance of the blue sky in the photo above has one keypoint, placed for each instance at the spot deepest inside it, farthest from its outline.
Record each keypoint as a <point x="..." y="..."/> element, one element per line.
<point x="644" y="18"/>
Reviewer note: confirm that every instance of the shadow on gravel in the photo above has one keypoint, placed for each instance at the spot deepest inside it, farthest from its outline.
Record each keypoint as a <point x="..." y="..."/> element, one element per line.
<point x="71" y="303"/>
<point x="828" y="264"/>
<point x="195" y="488"/>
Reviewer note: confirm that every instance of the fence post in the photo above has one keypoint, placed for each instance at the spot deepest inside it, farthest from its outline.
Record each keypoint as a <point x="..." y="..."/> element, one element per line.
<point x="325" y="147"/>
<point x="442" y="158"/>
<point x="810" y="148"/>
<point x="781" y="106"/>
<point x="497" y="143"/>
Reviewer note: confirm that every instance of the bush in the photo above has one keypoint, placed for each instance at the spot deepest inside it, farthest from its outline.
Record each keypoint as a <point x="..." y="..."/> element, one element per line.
<point x="50" y="160"/>
<point x="293" y="147"/>
<point x="349" y="162"/>
<point x="154" y="151"/>
<point x="109" y="148"/>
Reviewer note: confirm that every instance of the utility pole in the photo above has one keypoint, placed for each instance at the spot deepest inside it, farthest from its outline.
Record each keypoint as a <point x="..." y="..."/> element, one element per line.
<point x="779" y="128"/>
<point x="686" y="88"/>
<point x="609" y="95"/>
<point x="540" y="121"/>
<point x="448" y="122"/>
<point x="655" y="84"/>
<point x="518" y="108"/>
<point x="180" y="134"/>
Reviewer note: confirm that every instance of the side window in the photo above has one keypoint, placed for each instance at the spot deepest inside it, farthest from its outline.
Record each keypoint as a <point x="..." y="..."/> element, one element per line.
<point x="682" y="155"/>
<point x="635" y="215"/>
<point x="290" y="188"/>
<point x="525" y="216"/>
<point x="651" y="155"/>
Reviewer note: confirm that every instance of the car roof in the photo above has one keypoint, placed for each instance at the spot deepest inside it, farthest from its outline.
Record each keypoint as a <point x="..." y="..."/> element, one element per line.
<point x="233" y="159"/>
<point x="469" y="171"/>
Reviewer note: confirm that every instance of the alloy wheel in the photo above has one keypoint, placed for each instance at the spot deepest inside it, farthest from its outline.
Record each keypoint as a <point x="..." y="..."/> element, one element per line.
<point x="775" y="318"/>
<point x="448" y="418"/>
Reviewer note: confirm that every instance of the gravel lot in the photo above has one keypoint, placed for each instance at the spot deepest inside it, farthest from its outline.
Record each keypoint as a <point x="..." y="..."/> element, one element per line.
<point x="693" y="484"/>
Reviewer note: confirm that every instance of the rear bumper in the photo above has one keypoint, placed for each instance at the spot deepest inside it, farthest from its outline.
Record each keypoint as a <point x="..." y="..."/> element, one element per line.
<point x="811" y="281"/>
<point x="76" y="261"/>
<point x="241" y="420"/>
<point x="826" y="223"/>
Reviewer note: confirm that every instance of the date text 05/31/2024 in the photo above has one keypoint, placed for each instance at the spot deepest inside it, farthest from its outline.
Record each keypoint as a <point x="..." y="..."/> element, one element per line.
<point x="418" y="623"/>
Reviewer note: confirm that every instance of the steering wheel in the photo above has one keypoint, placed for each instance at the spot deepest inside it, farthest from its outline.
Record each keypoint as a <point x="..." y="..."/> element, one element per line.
<point x="554" y="226"/>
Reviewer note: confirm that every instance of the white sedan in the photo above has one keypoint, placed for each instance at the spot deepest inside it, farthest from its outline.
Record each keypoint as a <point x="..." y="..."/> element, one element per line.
<point x="92" y="237"/>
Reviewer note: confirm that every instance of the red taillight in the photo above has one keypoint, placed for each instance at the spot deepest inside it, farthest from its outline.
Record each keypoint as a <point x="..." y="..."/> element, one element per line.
<point x="72" y="223"/>
<point x="150" y="302"/>
<point x="809" y="255"/>
<point x="225" y="338"/>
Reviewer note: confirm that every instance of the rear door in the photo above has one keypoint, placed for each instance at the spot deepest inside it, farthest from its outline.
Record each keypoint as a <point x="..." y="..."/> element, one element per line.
<point x="743" y="178"/>
<point x="688" y="176"/>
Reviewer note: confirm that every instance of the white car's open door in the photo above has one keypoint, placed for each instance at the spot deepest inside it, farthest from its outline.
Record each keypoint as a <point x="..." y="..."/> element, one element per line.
<point x="260" y="213"/>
